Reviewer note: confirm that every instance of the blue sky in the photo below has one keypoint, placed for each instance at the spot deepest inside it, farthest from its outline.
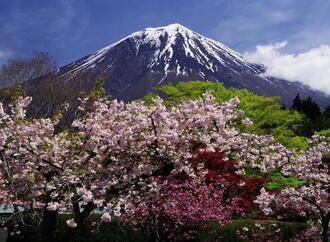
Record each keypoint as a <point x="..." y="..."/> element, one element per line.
<point x="70" y="29"/>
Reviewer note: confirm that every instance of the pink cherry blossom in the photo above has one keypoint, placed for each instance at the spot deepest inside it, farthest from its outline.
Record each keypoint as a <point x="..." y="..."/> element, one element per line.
<point x="71" y="223"/>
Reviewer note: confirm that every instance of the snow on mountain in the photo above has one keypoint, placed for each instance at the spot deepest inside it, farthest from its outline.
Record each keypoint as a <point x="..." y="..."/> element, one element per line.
<point x="164" y="41"/>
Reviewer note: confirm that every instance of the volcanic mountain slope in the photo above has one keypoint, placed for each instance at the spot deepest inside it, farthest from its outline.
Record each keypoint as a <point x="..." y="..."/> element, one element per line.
<point x="133" y="66"/>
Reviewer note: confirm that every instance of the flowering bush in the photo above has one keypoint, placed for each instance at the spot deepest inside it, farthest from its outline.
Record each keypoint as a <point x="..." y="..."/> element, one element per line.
<point x="183" y="207"/>
<point x="245" y="189"/>
<point x="311" y="234"/>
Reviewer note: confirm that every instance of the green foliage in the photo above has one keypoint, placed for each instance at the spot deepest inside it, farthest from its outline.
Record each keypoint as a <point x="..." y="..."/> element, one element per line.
<point x="228" y="232"/>
<point x="267" y="114"/>
<point x="298" y="142"/>
<point x="325" y="132"/>
<point x="11" y="94"/>
<point x="253" y="172"/>
<point x="278" y="181"/>
<point x="98" y="90"/>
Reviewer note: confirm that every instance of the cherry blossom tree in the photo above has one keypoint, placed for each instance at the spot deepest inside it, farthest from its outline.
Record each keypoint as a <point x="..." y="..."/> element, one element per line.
<point x="30" y="155"/>
<point x="110" y="154"/>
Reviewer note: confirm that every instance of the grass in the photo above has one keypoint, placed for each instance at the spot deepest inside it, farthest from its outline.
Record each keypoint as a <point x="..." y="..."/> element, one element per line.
<point x="228" y="232"/>
<point x="116" y="231"/>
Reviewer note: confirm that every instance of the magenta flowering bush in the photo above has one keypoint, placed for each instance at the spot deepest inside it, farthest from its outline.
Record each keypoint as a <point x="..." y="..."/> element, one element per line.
<point x="183" y="207"/>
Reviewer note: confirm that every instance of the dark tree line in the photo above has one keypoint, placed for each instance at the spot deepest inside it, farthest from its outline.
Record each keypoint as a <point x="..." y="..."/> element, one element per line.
<point x="315" y="119"/>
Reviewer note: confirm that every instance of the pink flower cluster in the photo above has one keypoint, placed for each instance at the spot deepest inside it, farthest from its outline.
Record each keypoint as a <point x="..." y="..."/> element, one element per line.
<point x="184" y="206"/>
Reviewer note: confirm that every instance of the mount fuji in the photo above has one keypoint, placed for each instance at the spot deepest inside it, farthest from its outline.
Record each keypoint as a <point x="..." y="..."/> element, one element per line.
<point x="136" y="64"/>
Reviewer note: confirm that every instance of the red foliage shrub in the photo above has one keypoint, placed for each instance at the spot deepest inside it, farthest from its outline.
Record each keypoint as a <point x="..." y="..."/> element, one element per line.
<point x="246" y="189"/>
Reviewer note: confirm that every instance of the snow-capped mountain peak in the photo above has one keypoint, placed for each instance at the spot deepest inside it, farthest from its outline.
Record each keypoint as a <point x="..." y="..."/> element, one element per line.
<point x="134" y="65"/>
<point x="177" y="38"/>
<point x="171" y="43"/>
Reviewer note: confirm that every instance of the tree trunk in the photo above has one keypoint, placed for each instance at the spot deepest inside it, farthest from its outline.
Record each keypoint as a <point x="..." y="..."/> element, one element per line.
<point x="48" y="226"/>
<point x="79" y="217"/>
<point x="82" y="215"/>
<point x="325" y="227"/>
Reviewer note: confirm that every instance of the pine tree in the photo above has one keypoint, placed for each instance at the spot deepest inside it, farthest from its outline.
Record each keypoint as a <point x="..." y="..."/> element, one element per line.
<point x="296" y="105"/>
<point x="326" y="112"/>
<point x="311" y="109"/>
<point x="314" y="119"/>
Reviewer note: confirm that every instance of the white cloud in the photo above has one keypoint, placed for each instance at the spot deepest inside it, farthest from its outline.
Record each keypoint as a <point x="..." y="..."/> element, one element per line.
<point x="311" y="67"/>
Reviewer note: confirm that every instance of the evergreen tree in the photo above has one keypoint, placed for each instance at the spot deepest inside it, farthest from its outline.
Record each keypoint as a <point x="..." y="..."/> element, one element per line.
<point x="314" y="119"/>
<point x="296" y="103"/>
<point x="326" y="112"/>
<point x="311" y="109"/>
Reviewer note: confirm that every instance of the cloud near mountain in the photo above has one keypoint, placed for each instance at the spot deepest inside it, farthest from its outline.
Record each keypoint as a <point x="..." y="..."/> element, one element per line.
<point x="311" y="67"/>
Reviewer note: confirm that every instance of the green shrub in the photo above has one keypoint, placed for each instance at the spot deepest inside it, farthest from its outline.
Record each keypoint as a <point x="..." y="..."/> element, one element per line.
<point x="298" y="142"/>
<point x="278" y="181"/>
<point x="228" y="232"/>
<point x="325" y="132"/>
